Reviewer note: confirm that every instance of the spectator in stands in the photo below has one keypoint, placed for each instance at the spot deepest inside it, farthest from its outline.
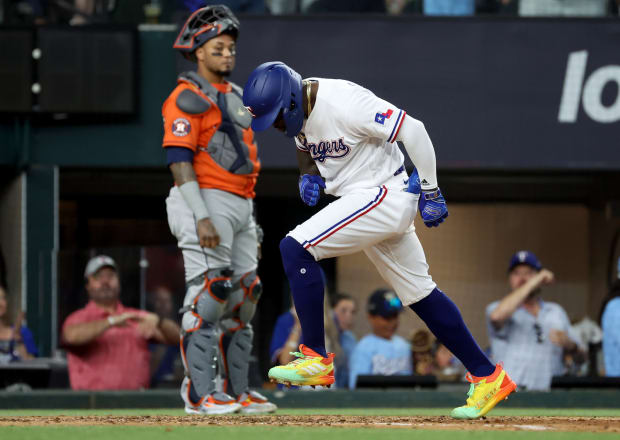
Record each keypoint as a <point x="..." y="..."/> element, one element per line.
<point x="591" y="336"/>
<point x="237" y="6"/>
<point x="527" y="334"/>
<point x="84" y="10"/>
<point x="610" y="321"/>
<point x="422" y="352"/>
<point x="165" y="359"/>
<point x="381" y="352"/>
<point x="16" y="341"/>
<point x="285" y="338"/>
<point x="449" y="7"/>
<point x="23" y="12"/>
<point x="346" y="6"/>
<point x="431" y="357"/>
<point x="446" y="367"/>
<point x="287" y="7"/>
<point x="567" y="8"/>
<point x="107" y="343"/>
<point x="343" y="307"/>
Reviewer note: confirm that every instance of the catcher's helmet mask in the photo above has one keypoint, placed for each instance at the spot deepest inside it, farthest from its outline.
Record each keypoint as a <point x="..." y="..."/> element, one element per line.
<point x="204" y="24"/>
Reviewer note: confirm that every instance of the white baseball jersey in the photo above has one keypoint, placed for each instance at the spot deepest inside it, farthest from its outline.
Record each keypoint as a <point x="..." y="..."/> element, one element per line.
<point x="351" y="136"/>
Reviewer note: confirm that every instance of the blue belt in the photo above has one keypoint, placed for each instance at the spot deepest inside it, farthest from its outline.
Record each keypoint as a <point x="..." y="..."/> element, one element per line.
<point x="400" y="170"/>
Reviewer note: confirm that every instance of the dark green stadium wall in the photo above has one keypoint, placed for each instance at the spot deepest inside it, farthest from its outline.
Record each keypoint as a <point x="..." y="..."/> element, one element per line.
<point x="495" y="94"/>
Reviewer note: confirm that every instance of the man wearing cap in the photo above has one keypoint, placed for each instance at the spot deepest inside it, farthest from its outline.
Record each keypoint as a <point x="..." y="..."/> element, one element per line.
<point x="107" y="343"/>
<point x="528" y="334"/>
<point x="381" y="352"/>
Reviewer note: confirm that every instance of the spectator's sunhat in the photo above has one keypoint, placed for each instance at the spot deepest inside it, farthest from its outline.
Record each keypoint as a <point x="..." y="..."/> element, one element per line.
<point x="385" y="303"/>
<point x="98" y="262"/>
<point x="524" y="257"/>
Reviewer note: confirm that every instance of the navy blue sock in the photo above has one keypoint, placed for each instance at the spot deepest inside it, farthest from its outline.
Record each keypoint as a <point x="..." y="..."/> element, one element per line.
<point x="445" y="321"/>
<point x="306" y="281"/>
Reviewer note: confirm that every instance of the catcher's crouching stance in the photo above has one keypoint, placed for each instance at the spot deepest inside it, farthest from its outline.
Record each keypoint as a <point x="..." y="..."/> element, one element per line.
<point x="212" y="155"/>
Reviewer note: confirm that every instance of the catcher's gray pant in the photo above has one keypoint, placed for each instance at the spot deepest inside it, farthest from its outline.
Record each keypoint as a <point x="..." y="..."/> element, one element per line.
<point x="222" y="289"/>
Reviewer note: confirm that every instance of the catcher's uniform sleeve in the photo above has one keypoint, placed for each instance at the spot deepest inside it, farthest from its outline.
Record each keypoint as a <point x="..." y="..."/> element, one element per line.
<point x="372" y="117"/>
<point x="181" y="129"/>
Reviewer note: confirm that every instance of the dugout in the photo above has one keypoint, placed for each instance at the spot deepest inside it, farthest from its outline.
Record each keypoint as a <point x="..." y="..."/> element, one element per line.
<point x="524" y="115"/>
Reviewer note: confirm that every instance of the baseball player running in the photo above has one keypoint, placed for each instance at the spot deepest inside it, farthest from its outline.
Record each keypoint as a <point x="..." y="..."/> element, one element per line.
<point x="213" y="157"/>
<point x="346" y="144"/>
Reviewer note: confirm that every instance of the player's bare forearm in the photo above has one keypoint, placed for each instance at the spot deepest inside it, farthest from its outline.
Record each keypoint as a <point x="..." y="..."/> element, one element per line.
<point x="307" y="165"/>
<point x="183" y="172"/>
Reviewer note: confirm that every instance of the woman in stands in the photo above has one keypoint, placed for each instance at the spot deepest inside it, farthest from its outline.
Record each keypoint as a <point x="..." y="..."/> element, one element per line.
<point x="16" y="341"/>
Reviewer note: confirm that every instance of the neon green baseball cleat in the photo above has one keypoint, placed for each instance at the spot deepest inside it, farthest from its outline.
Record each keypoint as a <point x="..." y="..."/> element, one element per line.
<point x="310" y="368"/>
<point x="484" y="393"/>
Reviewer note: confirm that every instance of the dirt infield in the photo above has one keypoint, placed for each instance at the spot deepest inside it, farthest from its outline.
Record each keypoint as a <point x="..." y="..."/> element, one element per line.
<point x="575" y="424"/>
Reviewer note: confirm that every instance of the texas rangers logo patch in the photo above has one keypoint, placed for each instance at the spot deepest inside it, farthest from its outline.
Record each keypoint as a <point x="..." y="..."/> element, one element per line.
<point x="381" y="117"/>
<point x="181" y="127"/>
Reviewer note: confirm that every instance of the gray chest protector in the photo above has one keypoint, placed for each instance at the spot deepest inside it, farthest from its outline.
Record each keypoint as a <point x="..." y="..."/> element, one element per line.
<point x="226" y="147"/>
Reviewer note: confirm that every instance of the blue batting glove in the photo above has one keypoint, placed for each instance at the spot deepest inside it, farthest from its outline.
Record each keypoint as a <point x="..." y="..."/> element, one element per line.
<point x="310" y="188"/>
<point x="414" y="182"/>
<point x="432" y="207"/>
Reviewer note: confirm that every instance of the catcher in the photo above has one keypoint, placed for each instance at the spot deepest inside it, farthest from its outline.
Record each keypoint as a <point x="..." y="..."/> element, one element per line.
<point x="213" y="158"/>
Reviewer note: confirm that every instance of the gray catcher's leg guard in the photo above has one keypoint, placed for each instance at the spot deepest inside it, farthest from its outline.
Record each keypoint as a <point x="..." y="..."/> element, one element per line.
<point x="201" y="358"/>
<point x="201" y="335"/>
<point x="238" y="359"/>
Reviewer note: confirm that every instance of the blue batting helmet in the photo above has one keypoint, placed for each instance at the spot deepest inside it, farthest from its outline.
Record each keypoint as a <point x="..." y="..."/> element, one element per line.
<point x="204" y="24"/>
<point x="271" y="88"/>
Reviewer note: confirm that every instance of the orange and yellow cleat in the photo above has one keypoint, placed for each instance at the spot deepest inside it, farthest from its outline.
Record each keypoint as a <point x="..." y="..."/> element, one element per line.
<point x="484" y="393"/>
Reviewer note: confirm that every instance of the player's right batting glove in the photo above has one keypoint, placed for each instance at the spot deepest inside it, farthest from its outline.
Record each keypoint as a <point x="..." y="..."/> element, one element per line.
<point x="310" y="188"/>
<point x="432" y="207"/>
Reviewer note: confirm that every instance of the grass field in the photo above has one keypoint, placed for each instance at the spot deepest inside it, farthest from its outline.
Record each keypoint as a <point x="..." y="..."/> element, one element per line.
<point x="345" y="424"/>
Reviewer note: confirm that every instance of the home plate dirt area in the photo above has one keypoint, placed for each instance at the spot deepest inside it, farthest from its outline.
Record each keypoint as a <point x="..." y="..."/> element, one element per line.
<point x="575" y="424"/>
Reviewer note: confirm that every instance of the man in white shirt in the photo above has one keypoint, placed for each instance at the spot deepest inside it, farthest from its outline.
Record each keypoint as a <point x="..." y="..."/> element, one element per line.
<point x="525" y="331"/>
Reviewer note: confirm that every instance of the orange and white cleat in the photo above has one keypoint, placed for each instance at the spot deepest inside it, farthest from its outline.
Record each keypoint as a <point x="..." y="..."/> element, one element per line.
<point x="215" y="403"/>
<point x="255" y="403"/>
